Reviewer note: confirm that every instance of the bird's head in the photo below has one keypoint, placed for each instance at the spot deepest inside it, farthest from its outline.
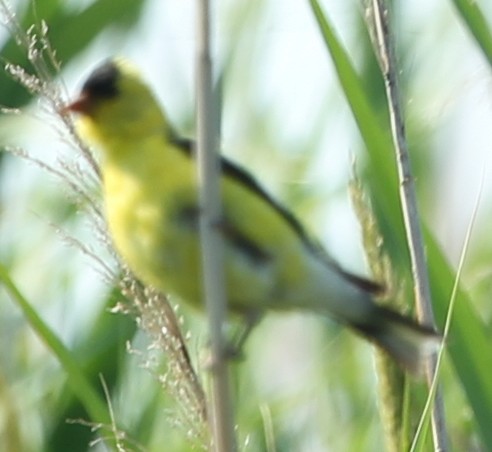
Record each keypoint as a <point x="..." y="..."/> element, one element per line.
<point x="116" y="104"/>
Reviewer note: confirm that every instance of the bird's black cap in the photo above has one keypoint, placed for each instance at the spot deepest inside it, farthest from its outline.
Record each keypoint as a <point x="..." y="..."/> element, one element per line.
<point x="102" y="83"/>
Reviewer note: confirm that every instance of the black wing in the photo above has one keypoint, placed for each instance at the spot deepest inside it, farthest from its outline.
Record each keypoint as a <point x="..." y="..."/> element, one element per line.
<point x="234" y="171"/>
<point x="241" y="175"/>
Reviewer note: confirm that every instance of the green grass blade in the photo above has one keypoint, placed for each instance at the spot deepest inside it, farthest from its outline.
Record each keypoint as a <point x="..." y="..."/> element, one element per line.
<point x="100" y="352"/>
<point x="474" y="19"/>
<point x="95" y="406"/>
<point x="377" y="140"/>
<point x="468" y="344"/>
<point x="469" y="347"/>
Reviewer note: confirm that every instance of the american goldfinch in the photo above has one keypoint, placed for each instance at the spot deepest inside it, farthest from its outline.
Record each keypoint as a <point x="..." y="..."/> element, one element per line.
<point x="271" y="263"/>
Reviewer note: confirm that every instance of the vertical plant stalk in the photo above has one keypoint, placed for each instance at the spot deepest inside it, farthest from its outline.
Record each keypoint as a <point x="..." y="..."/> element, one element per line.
<point x="220" y="404"/>
<point x="387" y="60"/>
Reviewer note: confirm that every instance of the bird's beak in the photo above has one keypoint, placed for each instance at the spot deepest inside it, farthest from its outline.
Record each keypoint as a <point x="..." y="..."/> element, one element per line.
<point x="82" y="105"/>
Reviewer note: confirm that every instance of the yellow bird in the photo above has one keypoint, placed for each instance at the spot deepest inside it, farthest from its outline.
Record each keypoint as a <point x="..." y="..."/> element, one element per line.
<point x="271" y="263"/>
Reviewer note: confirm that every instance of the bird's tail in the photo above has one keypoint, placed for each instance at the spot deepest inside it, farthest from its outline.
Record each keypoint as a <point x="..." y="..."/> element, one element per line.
<point x="408" y="342"/>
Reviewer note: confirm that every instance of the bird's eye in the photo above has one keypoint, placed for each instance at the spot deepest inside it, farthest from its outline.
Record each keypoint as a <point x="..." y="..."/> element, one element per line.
<point x="102" y="82"/>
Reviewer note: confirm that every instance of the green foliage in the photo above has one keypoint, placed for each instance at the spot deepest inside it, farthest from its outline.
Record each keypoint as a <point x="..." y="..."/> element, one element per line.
<point x="70" y="31"/>
<point x="304" y="385"/>
<point x="476" y="22"/>
<point x="467" y="341"/>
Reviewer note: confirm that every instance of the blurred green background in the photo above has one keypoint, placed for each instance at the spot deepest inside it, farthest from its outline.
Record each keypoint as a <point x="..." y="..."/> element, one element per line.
<point x="307" y="384"/>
